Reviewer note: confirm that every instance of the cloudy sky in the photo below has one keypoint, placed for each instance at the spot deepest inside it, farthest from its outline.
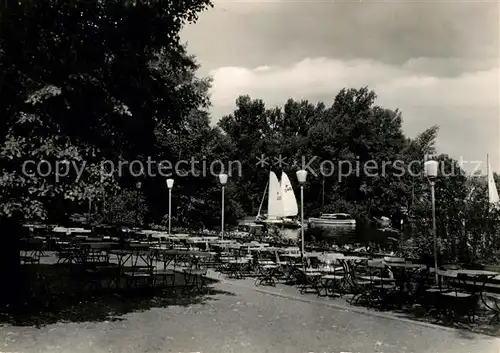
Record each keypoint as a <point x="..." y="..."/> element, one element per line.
<point x="438" y="62"/>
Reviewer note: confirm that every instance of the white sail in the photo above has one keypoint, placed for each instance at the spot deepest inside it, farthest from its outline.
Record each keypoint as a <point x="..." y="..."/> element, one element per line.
<point x="274" y="202"/>
<point x="290" y="207"/>
<point x="492" y="188"/>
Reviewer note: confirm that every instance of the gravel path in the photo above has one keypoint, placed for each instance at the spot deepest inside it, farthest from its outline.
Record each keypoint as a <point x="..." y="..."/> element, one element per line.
<point x="244" y="321"/>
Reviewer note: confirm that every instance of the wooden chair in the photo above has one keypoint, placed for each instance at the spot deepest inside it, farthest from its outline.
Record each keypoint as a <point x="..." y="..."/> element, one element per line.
<point x="266" y="275"/>
<point x="103" y="276"/>
<point x="195" y="279"/>
<point x="334" y="282"/>
<point x="376" y="287"/>
<point x="449" y="302"/>
<point x="137" y="275"/>
<point x="308" y="282"/>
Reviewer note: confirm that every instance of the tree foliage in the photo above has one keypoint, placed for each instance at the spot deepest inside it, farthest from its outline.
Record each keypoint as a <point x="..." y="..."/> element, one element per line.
<point x="84" y="82"/>
<point x="126" y="208"/>
<point x="353" y="131"/>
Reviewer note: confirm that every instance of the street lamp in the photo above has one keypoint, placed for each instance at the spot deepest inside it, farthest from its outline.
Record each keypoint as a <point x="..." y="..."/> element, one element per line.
<point x="138" y="187"/>
<point x="223" y="182"/>
<point x="301" y="177"/>
<point x="170" y="185"/>
<point x="431" y="171"/>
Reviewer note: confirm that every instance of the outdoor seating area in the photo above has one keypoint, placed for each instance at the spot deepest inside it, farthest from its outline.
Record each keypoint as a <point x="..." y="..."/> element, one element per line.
<point x="129" y="264"/>
<point x="385" y="283"/>
<point x="378" y="281"/>
<point x="140" y="261"/>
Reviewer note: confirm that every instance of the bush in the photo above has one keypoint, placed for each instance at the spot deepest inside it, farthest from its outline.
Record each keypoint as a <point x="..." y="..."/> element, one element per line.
<point x="467" y="231"/>
<point x="127" y="208"/>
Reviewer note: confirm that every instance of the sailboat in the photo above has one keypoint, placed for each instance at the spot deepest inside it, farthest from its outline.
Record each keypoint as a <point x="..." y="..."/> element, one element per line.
<point x="290" y="207"/>
<point x="274" y="201"/>
<point x="281" y="202"/>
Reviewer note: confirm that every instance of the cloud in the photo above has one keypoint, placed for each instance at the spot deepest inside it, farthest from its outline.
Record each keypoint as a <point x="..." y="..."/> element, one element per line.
<point x="465" y="106"/>
<point x="313" y="77"/>
<point x="258" y="33"/>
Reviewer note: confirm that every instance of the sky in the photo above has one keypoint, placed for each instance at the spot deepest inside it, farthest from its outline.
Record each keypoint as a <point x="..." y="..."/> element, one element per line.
<point x="437" y="62"/>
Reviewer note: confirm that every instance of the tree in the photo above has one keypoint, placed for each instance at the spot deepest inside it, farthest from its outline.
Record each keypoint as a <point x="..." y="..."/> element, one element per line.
<point x="77" y="76"/>
<point x="83" y="82"/>
<point x="353" y="130"/>
<point x="414" y="154"/>
<point x="196" y="195"/>
<point x="481" y="223"/>
<point x="454" y="208"/>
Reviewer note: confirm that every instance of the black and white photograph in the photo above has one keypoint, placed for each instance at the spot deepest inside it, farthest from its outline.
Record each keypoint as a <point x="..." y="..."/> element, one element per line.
<point x="249" y="176"/>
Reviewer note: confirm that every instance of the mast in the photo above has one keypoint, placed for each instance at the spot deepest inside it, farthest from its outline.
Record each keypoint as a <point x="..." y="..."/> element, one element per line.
<point x="488" y="176"/>
<point x="488" y="165"/>
<point x="262" y="201"/>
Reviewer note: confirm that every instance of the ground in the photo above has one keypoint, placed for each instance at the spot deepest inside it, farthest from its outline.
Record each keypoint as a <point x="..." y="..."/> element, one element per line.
<point x="240" y="319"/>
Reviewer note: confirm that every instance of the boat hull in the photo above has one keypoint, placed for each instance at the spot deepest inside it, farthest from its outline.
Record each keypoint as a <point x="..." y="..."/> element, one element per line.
<point x="330" y="223"/>
<point x="272" y="221"/>
<point x="280" y="223"/>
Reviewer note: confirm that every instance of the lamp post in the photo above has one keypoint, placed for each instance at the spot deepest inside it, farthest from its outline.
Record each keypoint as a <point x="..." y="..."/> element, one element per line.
<point x="138" y="187"/>
<point x="431" y="170"/>
<point x="170" y="185"/>
<point x="223" y="182"/>
<point x="301" y="177"/>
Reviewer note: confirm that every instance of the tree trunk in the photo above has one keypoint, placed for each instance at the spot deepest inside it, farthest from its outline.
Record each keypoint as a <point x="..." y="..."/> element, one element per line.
<point x="11" y="231"/>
